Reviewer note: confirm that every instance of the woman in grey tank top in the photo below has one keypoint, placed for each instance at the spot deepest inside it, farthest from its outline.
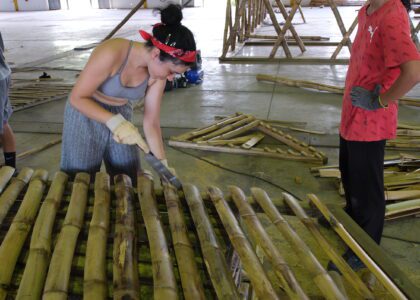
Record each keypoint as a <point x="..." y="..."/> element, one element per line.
<point x="119" y="73"/>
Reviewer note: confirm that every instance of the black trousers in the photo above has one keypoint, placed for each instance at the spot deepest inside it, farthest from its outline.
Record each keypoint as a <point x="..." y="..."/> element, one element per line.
<point x="362" y="174"/>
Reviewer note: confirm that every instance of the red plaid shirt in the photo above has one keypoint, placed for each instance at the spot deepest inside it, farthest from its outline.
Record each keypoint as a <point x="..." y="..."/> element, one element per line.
<point x="383" y="42"/>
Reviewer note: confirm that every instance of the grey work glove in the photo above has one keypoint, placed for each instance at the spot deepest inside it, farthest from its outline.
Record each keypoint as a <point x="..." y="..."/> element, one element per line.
<point x="365" y="99"/>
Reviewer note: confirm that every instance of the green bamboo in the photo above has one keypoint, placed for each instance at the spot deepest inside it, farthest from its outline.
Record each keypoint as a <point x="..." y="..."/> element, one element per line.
<point x="212" y="252"/>
<point x="57" y="282"/>
<point x="249" y="259"/>
<point x="6" y="173"/>
<point x="19" y="229"/>
<point x="320" y="276"/>
<point x="13" y="190"/>
<point x="32" y="281"/>
<point x="347" y="272"/>
<point x="125" y="273"/>
<point x="95" y="284"/>
<point x="190" y="277"/>
<point x="256" y="230"/>
<point x="164" y="283"/>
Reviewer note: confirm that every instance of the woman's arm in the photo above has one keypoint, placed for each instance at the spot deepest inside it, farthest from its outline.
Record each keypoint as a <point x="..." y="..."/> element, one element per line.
<point x="409" y="77"/>
<point x="151" y="119"/>
<point x="100" y="66"/>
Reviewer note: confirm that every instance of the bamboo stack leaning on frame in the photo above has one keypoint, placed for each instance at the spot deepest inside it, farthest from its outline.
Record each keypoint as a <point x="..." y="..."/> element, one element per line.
<point x="33" y="278"/>
<point x="249" y="259"/>
<point x="125" y="271"/>
<point x="321" y="277"/>
<point x="347" y="272"/>
<point x="95" y="284"/>
<point x="58" y="277"/>
<point x="6" y="173"/>
<point x="164" y="282"/>
<point x="13" y="190"/>
<point x="256" y="230"/>
<point x="192" y="285"/>
<point x="19" y="229"/>
<point x="212" y="253"/>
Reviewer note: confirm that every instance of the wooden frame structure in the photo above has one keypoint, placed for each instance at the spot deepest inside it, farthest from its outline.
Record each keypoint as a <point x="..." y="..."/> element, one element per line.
<point x="239" y="133"/>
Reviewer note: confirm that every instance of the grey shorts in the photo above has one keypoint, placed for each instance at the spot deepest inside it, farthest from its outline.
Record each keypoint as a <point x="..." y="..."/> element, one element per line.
<point x="5" y="106"/>
<point x="86" y="143"/>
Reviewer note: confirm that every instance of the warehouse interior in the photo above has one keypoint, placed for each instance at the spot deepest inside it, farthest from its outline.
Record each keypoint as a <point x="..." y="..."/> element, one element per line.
<point x="47" y="49"/>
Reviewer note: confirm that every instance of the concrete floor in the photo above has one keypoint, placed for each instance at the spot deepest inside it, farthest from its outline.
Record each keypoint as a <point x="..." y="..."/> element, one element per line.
<point x="45" y="41"/>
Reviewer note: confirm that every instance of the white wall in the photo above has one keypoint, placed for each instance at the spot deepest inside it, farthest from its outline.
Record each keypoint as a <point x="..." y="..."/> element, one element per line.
<point x="8" y="5"/>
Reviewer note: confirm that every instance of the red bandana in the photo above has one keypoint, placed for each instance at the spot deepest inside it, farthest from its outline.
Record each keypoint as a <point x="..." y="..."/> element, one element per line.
<point x="187" y="56"/>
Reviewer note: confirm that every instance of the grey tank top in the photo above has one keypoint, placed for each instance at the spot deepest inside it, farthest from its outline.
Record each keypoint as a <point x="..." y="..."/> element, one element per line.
<point x="113" y="86"/>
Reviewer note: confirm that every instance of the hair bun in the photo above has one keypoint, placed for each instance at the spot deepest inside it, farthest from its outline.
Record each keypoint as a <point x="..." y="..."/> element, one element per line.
<point x="171" y="15"/>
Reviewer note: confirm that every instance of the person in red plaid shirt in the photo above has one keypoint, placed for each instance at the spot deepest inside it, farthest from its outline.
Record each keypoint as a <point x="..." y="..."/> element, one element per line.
<point x="384" y="65"/>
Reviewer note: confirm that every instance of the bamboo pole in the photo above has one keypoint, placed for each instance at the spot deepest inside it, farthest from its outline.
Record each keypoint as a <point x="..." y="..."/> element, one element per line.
<point x="19" y="229"/>
<point x="38" y="149"/>
<point x="347" y="272"/>
<point x="57" y="282"/>
<point x="312" y="265"/>
<point x="13" y="190"/>
<point x="125" y="271"/>
<point x="237" y="131"/>
<point x="346" y="39"/>
<point x="164" y="283"/>
<point x="6" y="173"/>
<point x="228" y="17"/>
<point x="339" y="20"/>
<point x="95" y="284"/>
<point x="184" y="252"/>
<point x="260" y="236"/>
<point x="402" y="195"/>
<point x="33" y="277"/>
<point x="253" y="141"/>
<point x="402" y="208"/>
<point x="249" y="259"/>
<point x="212" y="253"/>
<point x="357" y="249"/>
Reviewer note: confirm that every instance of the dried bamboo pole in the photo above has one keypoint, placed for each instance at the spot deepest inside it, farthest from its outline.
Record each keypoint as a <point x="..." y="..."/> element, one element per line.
<point x="402" y="208"/>
<point x="33" y="278"/>
<point x="13" y="190"/>
<point x="164" y="283"/>
<point x="95" y="284"/>
<point x="339" y="20"/>
<point x="228" y="19"/>
<point x="216" y="125"/>
<point x="346" y="39"/>
<point x="249" y="259"/>
<point x="19" y="229"/>
<point x="257" y="232"/>
<point x="125" y="272"/>
<point x="226" y="128"/>
<point x="402" y="195"/>
<point x="347" y="272"/>
<point x="357" y="249"/>
<point x="321" y="277"/>
<point x="6" y="173"/>
<point x="234" y="141"/>
<point x="237" y="131"/>
<point x="57" y="282"/>
<point x="253" y="141"/>
<point x="38" y="149"/>
<point x="212" y="253"/>
<point x="184" y="252"/>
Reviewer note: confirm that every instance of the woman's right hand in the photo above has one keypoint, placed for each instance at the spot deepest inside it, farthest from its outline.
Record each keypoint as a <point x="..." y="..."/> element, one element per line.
<point x="125" y="132"/>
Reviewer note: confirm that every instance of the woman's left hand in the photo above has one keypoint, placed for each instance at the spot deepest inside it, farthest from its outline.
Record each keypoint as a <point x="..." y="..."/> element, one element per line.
<point x="366" y="99"/>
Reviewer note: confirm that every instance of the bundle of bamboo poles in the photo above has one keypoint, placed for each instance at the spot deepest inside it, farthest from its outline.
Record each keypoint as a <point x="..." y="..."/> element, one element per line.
<point x="189" y="236"/>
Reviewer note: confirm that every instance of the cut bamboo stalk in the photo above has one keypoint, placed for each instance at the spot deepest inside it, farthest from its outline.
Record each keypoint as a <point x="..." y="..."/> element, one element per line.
<point x="402" y="207"/>
<point x="19" y="229"/>
<point x="312" y="265"/>
<point x="38" y="149"/>
<point x="95" y="284"/>
<point x="261" y="238"/>
<point x="190" y="277"/>
<point x="346" y="39"/>
<point x="228" y="16"/>
<point x="249" y="259"/>
<point x="6" y="173"/>
<point x="253" y="141"/>
<point x="225" y="129"/>
<point x="57" y="282"/>
<point x="33" y="278"/>
<point x="357" y="249"/>
<point x="347" y="272"/>
<point x="212" y="253"/>
<point x="237" y="131"/>
<point x="234" y="141"/>
<point x="164" y="283"/>
<point x="402" y="195"/>
<point x="125" y="271"/>
<point x="13" y="190"/>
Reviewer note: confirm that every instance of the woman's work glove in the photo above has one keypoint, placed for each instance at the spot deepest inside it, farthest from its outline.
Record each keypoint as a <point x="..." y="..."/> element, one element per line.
<point x="125" y="132"/>
<point x="369" y="100"/>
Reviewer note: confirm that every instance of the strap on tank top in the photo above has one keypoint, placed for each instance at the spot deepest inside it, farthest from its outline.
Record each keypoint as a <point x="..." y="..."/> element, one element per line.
<point x="126" y="58"/>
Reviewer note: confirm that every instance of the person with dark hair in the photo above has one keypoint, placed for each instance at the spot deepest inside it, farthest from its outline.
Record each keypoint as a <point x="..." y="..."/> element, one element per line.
<point x="6" y="133"/>
<point x="384" y="66"/>
<point x="119" y="73"/>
